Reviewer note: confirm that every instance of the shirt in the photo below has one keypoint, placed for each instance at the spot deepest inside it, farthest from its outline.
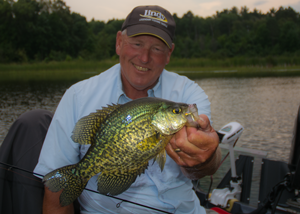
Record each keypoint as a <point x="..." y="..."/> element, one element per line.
<point x="168" y="190"/>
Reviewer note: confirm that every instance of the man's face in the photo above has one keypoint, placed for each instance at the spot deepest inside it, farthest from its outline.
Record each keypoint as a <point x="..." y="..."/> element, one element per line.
<point x="142" y="59"/>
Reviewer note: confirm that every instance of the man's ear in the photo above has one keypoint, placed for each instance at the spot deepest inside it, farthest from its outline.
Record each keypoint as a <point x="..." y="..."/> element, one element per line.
<point x="170" y="53"/>
<point x="119" y="42"/>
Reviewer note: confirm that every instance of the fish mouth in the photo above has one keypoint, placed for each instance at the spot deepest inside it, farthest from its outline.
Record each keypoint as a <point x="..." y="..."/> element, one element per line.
<point x="192" y="116"/>
<point x="140" y="68"/>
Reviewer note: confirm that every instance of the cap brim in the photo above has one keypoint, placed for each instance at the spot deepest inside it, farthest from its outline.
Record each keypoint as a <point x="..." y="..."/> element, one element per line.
<point x="141" y="29"/>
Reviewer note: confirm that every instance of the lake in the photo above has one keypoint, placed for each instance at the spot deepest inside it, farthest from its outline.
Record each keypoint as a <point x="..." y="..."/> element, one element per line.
<point x="266" y="107"/>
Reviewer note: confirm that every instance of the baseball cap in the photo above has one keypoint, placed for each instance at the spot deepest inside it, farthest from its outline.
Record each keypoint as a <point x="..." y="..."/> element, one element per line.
<point x="152" y="20"/>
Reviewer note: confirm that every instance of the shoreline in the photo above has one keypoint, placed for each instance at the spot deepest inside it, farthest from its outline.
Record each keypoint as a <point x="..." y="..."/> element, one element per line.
<point x="79" y="70"/>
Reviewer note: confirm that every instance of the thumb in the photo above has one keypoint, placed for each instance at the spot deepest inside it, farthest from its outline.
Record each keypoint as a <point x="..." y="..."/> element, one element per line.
<point x="204" y="123"/>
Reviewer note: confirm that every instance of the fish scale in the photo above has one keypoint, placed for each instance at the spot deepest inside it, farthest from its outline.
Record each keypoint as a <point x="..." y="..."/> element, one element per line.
<point x="123" y="139"/>
<point x="128" y="157"/>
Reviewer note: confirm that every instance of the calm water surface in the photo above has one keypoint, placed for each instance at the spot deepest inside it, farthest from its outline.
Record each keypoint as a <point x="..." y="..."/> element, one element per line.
<point x="266" y="107"/>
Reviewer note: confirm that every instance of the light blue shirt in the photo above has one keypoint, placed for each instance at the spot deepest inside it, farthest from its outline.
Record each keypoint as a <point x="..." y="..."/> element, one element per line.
<point x="168" y="190"/>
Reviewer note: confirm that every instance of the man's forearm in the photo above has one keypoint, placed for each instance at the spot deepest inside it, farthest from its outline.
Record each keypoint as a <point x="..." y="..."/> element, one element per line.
<point x="51" y="204"/>
<point x="208" y="168"/>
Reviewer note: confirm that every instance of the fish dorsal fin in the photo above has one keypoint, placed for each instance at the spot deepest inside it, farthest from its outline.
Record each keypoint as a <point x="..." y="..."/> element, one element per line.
<point x="110" y="108"/>
<point x="86" y="128"/>
<point x="161" y="159"/>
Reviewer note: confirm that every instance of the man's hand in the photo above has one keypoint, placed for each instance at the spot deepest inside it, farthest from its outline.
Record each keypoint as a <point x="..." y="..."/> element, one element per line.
<point x="51" y="204"/>
<point x="196" y="150"/>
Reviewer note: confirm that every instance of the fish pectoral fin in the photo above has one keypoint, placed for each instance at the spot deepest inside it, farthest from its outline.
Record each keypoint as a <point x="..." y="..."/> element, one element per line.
<point x="68" y="179"/>
<point x="113" y="184"/>
<point x="87" y="127"/>
<point x="161" y="159"/>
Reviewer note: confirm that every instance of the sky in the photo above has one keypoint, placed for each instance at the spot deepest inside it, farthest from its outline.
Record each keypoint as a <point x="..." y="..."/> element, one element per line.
<point x="104" y="10"/>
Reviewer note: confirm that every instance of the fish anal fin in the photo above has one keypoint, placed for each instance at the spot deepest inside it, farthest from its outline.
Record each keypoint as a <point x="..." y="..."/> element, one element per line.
<point x="114" y="184"/>
<point x="117" y="182"/>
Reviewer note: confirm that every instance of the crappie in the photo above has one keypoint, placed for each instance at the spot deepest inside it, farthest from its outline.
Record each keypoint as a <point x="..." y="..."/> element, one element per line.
<point x="123" y="139"/>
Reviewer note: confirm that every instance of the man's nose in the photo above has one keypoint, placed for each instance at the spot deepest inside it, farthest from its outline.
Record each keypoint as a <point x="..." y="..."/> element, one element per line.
<point x="145" y="55"/>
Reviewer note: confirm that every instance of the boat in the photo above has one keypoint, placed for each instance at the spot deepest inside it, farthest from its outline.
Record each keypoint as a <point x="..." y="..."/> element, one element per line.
<point x="255" y="184"/>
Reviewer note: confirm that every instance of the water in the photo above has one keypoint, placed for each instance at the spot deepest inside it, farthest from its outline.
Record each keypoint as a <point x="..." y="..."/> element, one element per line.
<point x="266" y="107"/>
<point x="17" y="98"/>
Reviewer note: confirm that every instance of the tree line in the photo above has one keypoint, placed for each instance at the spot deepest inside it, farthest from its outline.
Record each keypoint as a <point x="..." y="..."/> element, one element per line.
<point x="46" y="30"/>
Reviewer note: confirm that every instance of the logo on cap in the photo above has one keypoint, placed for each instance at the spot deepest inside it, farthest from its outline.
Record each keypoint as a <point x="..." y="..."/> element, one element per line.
<point x="154" y="15"/>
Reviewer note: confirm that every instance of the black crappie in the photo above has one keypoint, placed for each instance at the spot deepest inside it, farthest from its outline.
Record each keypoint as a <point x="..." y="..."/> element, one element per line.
<point x="123" y="139"/>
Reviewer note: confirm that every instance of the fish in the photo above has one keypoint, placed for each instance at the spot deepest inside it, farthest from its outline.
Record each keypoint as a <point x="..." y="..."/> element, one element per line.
<point x="123" y="138"/>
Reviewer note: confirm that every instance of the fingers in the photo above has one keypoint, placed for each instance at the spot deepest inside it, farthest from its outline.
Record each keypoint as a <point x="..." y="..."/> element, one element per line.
<point x="184" y="159"/>
<point x="205" y="137"/>
<point x="180" y="142"/>
<point x="181" y="151"/>
<point x="174" y="155"/>
<point x="204" y="123"/>
<point x="191" y="146"/>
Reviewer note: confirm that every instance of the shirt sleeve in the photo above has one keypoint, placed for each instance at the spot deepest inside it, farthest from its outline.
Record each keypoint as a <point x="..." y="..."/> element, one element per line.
<point x="193" y="93"/>
<point x="58" y="149"/>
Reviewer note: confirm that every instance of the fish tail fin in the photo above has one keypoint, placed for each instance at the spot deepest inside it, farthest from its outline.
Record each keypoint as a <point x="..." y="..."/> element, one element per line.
<point x="69" y="180"/>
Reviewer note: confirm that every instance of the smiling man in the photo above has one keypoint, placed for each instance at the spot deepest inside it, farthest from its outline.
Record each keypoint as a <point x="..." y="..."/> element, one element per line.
<point x="142" y="60"/>
<point x="144" y="46"/>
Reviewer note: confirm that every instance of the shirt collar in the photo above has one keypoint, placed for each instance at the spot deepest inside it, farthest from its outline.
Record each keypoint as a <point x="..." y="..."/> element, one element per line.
<point x="122" y="98"/>
<point x="120" y="91"/>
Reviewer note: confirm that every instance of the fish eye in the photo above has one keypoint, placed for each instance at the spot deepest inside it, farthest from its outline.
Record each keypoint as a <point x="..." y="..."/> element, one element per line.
<point x="176" y="110"/>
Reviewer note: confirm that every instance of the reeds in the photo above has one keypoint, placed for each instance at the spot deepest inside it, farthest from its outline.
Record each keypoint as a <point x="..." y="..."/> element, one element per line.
<point x="269" y="61"/>
<point x="193" y="68"/>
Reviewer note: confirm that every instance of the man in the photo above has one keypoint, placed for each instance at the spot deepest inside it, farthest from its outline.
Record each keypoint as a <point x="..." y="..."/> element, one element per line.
<point x="144" y="47"/>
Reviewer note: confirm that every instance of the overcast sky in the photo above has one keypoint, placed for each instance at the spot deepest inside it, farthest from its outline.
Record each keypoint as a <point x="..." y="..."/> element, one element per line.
<point x="118" y="9"/>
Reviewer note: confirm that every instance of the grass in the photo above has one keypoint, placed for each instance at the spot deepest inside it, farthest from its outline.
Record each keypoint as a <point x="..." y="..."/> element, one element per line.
<point x="193" y="68"/>
<point x="238" y="71"/>
<point x="53" y="71"/>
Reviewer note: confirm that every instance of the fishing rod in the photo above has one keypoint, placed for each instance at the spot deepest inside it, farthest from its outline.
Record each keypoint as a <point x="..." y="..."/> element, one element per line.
<point x="117" y="205"/>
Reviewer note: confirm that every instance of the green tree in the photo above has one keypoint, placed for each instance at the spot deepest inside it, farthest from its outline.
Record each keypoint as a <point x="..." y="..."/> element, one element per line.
<point x="289" y="37"/>
<point x="48" y="30"/>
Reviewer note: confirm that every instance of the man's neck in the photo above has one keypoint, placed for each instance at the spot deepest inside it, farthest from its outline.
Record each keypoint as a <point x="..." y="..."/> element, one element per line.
<point x="132" y="92"/>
